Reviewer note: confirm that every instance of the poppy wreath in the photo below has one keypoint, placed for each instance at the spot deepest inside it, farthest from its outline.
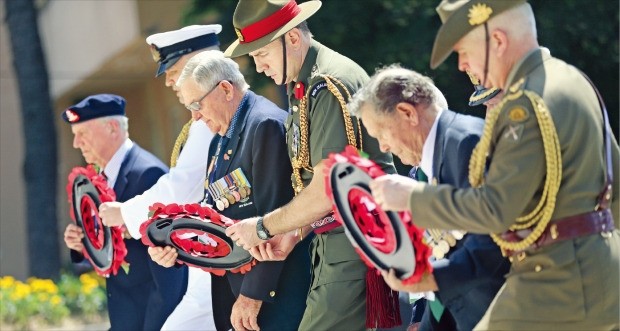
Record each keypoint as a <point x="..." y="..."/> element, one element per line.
<point x="198" y="234"/>
<point x="103" y="246"/>
<point x="384" y="240"/>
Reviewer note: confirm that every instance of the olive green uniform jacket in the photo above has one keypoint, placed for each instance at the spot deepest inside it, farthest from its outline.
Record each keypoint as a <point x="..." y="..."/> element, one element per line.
<point x="569" y="285"/>
<point x="336" y="300"/>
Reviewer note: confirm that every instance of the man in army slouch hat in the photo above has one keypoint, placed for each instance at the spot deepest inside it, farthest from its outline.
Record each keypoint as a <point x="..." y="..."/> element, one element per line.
<point x="319" y="82"/>
<point x="549" y="197"/>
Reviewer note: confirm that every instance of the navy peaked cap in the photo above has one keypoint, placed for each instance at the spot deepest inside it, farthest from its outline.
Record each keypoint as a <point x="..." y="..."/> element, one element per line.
<point x="167" y="47"/>
<point x="95" y="106"/>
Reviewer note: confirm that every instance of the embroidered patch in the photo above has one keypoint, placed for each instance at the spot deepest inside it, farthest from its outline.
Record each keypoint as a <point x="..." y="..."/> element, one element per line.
<point x="318" y="87"/>
<point x="514" y="132"/>
<point x="518" y="114"/>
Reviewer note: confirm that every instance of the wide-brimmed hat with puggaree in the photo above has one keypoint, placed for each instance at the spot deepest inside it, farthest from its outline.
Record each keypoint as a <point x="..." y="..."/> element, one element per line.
<point x="259" y="22"/>
<point x="459" y="17"/>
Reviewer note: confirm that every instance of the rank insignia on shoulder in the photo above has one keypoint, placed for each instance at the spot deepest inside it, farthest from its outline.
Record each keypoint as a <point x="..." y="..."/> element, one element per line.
<point x="317" y="88"/>
<point x="518" y="114"/>
<point x="514" y="132"/>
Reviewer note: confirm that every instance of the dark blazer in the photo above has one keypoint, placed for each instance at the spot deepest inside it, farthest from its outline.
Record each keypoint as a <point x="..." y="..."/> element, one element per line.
<point x="143" y="298"/>
<point x="474" y="270"/>
<point x="258" y="147"/>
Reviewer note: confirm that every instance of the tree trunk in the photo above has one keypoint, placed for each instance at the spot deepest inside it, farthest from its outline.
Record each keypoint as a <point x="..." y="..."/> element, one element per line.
<point x="40" y="164"/>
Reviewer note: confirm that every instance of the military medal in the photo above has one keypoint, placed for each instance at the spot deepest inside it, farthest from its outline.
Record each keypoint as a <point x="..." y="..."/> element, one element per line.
<point x="219" y="205"/>
<point x="242" y="183"/>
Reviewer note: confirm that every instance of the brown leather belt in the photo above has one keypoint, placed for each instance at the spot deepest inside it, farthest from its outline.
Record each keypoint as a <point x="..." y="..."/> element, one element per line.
<point x="565" y="229"/>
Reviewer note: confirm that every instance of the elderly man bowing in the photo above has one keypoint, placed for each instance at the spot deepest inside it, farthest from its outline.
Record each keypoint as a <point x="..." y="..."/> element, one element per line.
<point x="549" y="196"/>
<point x="248" y="175"/>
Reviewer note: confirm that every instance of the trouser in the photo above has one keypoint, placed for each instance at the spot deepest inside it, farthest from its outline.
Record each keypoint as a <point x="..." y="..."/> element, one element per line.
<point x="337" y="296"/>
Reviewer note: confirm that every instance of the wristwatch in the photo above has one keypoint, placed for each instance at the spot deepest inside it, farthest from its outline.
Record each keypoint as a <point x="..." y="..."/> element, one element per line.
<point x="261" y="230"/>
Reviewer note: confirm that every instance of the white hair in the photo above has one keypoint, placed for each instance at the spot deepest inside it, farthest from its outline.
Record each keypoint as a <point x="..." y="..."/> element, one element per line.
<point x="208" y="68"/>
<point x="123" y="121"/>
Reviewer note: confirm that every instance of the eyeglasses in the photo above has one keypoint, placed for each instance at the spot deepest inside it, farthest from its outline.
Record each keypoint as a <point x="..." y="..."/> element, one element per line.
<point x="195" y="106"/>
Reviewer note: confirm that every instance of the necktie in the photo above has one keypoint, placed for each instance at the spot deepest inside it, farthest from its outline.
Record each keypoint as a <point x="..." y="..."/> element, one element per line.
<point x="419" y="175"/>
<point x="436" y="307"/>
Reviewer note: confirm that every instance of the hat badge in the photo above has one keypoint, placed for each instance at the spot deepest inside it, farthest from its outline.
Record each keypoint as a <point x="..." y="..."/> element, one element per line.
<point x="239" y="35"/>
<point x="155" y="52"/>
<point x="72" y="116"/>
<point x="479" y="13"/>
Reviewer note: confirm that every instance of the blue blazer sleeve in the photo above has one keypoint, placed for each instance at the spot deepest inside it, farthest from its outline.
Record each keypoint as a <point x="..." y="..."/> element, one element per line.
<point x="473" y="272"/>
<point x="271" y="172"/>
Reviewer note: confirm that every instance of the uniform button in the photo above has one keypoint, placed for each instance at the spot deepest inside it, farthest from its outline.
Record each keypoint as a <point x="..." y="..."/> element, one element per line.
<point x="272" y="294"/>
<point x="538" y="268"/>
<point x="295" y="108"/>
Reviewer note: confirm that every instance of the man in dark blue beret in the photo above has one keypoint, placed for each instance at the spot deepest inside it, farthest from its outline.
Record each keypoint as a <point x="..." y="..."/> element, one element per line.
<point x="143" y="297"/>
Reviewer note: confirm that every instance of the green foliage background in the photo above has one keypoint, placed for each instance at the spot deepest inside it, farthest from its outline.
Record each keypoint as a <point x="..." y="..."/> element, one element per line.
<point x="374" y="33"/>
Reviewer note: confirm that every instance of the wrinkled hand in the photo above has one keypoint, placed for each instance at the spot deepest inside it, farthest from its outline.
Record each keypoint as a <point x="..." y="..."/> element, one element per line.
<point x="276" y="248"/>
<point x="392" y="192"/>
<point x="73" y="237"/>
<point x="425" y="285"/>
<point x="110" y="213"/>
<point x="244" y="233"/>
<point x="164" y="256"/>
<point x="414" y="327"/>
<point x="244" y="315"/>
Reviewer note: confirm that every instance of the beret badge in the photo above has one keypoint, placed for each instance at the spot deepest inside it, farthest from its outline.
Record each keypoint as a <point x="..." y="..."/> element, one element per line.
<point x="72" y="116"/>
<point x="479" y="13"/>
<point x="155" y="53"/>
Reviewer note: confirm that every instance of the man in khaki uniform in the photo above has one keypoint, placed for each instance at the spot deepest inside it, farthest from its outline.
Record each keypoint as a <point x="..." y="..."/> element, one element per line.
<point x="319" y="83"/>
<point x="547" y="194"/>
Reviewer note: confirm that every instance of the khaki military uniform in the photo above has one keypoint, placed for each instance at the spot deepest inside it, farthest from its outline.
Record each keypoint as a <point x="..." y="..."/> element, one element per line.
<point x="567" y="285"/>
<point x="337" y="296"/>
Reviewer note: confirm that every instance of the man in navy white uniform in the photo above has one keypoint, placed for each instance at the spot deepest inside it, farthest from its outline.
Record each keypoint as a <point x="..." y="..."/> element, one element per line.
<point x="184" y="183"/>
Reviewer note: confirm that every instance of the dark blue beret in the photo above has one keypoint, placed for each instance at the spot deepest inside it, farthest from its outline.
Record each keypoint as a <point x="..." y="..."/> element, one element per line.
<point x="95" y="106"/>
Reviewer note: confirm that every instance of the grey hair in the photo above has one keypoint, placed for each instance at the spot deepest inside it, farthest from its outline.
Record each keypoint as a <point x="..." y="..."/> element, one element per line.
<point x="393" y="84"/>
<point x="123" y="121"/>
<point x="208" y="68"/>
<point x="305" y="30"/>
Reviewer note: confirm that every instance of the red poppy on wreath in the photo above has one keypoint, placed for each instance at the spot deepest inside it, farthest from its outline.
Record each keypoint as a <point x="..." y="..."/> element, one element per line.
<point x="377" y="235"/>
<point x="103" y="246"/>
<point x="198" y="234"/>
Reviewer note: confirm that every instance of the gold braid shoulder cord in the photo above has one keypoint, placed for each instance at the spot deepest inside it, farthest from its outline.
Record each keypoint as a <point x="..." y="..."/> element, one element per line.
<point x="178" y="144"/>
<point x="303" y="157"/>
<point x="541" y="215"/>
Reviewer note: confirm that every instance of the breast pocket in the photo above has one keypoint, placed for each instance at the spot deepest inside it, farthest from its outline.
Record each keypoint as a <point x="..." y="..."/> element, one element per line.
<point x="342" y="263"/>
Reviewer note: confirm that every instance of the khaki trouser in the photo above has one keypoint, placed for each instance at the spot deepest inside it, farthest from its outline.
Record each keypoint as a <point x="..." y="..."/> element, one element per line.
<point x="337" y="296"/>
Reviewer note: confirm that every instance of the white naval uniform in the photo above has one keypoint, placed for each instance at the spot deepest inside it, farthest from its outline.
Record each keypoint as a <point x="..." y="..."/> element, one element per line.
<point x="183" y="184"/>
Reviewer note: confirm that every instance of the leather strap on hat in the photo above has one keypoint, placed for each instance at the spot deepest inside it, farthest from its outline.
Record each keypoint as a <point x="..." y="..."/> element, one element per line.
<point x="283" y="38"/>
<point x="268" y="24"/>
